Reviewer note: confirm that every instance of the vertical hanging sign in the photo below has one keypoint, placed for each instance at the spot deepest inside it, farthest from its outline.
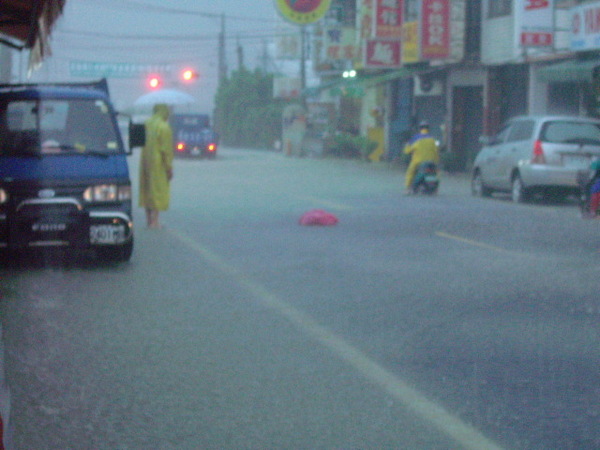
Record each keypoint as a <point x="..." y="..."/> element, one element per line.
<point x="435" y="29"/>
<point x="388" y="18"/>
<point x="537" y="23"/>
<point x="410" y="42"/>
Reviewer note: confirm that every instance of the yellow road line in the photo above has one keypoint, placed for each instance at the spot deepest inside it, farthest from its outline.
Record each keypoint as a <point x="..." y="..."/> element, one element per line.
<point x="471" y="242"/>
<point x="462" y="433"/>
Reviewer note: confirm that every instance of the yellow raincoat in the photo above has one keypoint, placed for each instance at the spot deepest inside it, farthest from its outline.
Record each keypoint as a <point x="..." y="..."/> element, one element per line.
<point x="156" y="162"/>
<point x="422" y="148"/>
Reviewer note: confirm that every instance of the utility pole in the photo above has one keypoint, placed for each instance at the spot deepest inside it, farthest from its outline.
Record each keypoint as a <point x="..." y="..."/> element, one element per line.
<point x="303" y="64"/>
<point x="302" y="57"/>
<point x="222" y="60"/>
<point x="265" y="57"/>
<point x="240" y="54"/>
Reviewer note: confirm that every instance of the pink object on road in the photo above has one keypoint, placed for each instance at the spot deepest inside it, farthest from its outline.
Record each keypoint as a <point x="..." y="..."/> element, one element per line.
<point x="318" y="217"/>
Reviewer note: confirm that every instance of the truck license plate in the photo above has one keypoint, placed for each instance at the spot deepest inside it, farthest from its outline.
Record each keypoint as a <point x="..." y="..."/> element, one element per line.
<point x="107" y="234"/>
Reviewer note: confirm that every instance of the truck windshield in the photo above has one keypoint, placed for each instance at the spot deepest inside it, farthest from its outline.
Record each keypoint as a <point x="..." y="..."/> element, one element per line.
<point x="56" y="127"/>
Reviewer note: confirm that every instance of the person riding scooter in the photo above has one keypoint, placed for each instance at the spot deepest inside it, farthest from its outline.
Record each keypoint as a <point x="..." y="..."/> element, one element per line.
<point x="591" y="192"/>
<point x="422" y="147"/>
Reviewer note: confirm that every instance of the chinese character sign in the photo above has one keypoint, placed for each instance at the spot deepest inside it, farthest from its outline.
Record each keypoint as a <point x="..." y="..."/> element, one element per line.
<point x="435" y="29"/>
<point x="383" y="53"/>
<point x="410" y="42"/>
<point x="340" y="44"/>
<point x="537" y="28"/>
<point x="388" y="18"/>
<point x="585" y="27"/>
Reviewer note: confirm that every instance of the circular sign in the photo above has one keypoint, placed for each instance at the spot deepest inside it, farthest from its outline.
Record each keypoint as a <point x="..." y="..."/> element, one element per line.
<point x="303" y="11"/>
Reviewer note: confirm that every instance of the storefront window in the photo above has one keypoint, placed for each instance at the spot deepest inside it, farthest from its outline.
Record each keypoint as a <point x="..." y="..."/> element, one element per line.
<point x="499" y="8"/>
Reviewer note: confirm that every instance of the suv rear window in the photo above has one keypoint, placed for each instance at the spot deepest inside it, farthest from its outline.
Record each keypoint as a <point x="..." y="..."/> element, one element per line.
<point x="521" y="131"/>
<point x="562" y="132"/>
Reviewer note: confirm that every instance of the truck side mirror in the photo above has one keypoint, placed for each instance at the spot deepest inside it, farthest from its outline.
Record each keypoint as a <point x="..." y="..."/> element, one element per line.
<point x="137" y="135"/>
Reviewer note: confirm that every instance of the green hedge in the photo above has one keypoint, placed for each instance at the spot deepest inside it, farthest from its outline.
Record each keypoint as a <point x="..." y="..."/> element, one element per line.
<point x="344" y="145"/>
<point x="246" y="114"/>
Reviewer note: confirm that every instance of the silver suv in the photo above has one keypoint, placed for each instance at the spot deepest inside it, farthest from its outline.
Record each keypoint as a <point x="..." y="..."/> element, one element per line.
<point x="536" y="155"/>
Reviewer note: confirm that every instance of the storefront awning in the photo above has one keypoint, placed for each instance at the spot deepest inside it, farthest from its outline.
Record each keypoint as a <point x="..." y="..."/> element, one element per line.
<point x="28" y="23"/>
<point x="573" y="70"/>
<point x="358" y="84"/>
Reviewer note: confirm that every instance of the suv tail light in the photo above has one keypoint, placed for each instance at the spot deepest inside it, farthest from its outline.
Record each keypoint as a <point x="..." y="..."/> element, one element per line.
<point x="538" y="153"/>
<point x="181" y="146"/>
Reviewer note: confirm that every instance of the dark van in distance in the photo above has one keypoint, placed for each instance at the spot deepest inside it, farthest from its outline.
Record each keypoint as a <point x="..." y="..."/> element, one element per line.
<point x="64" y="178"/>
<point x="193" y="135"/>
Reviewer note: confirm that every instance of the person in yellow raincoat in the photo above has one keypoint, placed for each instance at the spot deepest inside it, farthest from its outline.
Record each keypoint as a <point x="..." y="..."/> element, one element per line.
<point x="156" y="165"/>
<point x="422" y="147"/>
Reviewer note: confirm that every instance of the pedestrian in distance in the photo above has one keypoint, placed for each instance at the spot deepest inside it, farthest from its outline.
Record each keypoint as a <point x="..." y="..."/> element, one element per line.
<point x="156" y="165"/>
<point x="421" y="147"/>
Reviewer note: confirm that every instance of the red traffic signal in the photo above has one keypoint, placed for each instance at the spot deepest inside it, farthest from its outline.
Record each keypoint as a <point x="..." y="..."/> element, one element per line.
<point x="154" y="82"/>
<point x="188" y="75"/>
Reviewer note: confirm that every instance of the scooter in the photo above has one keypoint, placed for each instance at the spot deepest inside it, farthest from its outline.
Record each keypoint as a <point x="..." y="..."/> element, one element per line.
<point x="586" y="179"/>
<point x="426" y="179"/>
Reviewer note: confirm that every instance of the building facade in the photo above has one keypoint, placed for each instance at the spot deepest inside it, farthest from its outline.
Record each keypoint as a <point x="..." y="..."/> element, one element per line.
<point x="466" y="66"/>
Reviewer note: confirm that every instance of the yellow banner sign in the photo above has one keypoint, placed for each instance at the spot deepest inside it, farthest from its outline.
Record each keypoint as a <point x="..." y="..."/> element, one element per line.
<point x="410" y="42"/>
<point x="302" y="11"/>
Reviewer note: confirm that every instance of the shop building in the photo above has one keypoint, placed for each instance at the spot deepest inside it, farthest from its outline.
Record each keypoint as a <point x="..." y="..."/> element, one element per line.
<point x="466" y="66"/>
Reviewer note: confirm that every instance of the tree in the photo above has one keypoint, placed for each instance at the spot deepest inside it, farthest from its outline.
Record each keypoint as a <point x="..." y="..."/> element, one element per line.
<point x="246" y="114"/>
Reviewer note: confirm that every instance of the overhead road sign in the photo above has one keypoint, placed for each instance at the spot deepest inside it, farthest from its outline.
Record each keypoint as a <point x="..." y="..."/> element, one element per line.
<point x="92" y="69"/>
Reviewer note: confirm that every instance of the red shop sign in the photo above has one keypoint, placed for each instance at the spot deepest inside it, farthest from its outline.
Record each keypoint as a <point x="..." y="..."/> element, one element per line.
<point x="435" y="29"/>
<point x="383" y="53"/>
<point x="388" y="18"/>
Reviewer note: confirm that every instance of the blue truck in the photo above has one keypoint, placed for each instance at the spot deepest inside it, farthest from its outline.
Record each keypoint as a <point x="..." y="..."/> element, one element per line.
<point x="64" y="177"/>
<point x="193" y="135"/>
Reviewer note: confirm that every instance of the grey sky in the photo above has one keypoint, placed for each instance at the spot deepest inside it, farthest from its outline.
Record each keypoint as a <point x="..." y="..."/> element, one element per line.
<point x="185" y="33"/>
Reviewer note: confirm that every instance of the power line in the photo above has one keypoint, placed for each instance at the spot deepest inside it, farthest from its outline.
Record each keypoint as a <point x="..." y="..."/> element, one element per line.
<point x="187" y="37"/>
<point x="136" y="5"/>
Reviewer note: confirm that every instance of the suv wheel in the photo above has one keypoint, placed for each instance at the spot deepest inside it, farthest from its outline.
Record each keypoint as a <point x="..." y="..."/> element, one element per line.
<point x="518" y="192"/>
<point x="478" y="189"/>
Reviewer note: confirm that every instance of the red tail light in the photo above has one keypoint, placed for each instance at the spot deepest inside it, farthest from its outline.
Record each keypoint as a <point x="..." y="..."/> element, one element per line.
<point x="181" y="146"/>
<point x="212" y="147"/>
<point x="538" y="153"/>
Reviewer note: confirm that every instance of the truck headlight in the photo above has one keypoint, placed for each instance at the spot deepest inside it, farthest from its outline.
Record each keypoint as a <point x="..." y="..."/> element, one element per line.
<point x="107" y="193"/>
<point x="3" y="196"/>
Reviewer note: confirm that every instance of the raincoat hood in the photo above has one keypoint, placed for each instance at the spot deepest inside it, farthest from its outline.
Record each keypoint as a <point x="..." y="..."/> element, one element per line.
<point x="162" y="110"/>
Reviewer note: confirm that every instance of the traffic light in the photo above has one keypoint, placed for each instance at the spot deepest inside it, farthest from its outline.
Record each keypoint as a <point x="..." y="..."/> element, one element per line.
<point x="154" y="82"/>
<point x="188" y="75"/>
